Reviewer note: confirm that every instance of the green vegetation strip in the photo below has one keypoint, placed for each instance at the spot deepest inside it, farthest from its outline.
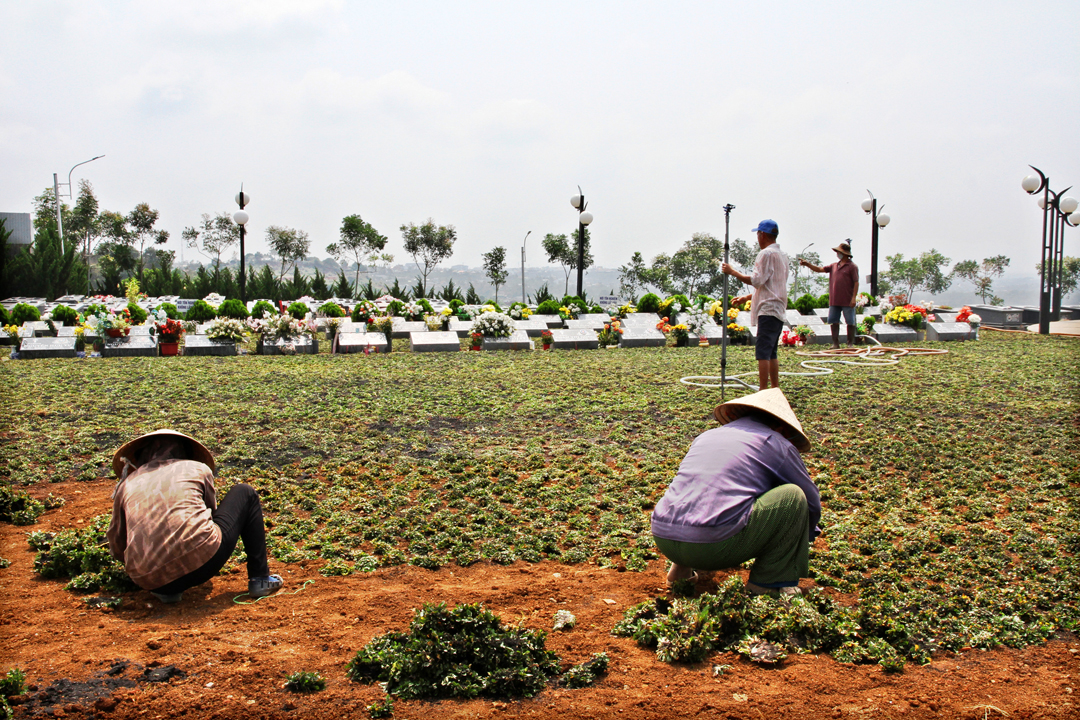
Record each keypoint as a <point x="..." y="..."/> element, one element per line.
<point x="949" y="483"/>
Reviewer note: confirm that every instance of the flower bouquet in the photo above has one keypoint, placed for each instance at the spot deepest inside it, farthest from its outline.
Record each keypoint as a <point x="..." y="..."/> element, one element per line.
<point x="434" y="322"/>
<point x="476" y="338"/>
<point x="796" y="336"/>
<point x="679" y="333"/>
<point x="611" y="334"/>
<point x="546" y="339"/>
<point x="109" y="323"/>
<point x="625" y="310"/>
<point x="737" y="334"/>
<point x="364" y="311"/>
<point x="569" y="312"/>
<point x="226" y="330"/>
<point x="520" y="312"/>
<point x="383" y="324"/>
<point x="169" y="332"/>
<point x="913" y="316"/>
<point x="493" y="325"/>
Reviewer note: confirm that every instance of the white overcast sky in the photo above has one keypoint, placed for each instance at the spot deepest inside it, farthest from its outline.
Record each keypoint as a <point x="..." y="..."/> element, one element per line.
<point x="486" y="115"/>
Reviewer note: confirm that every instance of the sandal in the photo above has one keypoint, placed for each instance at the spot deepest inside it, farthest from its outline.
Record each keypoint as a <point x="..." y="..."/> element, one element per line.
<point x="263" y="586"/>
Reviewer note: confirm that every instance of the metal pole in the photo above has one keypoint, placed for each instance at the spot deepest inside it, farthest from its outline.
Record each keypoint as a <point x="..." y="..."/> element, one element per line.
<point x="523" y="300"/>
<point x="59" y="222"/>
<point x="243" y="273"/>
<point x="1044" y="288"/>
<point x="873" y="247"/>
<point x="581" y="247"/>
<point x="1059" y="262"/>
<point x="724" y="304"/>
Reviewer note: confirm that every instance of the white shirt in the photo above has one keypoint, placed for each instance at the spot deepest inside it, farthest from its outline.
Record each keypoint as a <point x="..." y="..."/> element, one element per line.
<point x="770" y="284"/>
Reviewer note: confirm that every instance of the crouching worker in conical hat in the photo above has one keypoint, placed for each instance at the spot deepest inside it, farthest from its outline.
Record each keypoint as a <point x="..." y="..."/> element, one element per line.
<point x="742" y="492"/>
<point x="167" y="527"/>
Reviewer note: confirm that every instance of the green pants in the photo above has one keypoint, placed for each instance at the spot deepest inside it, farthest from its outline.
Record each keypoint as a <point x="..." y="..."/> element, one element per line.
<point x="777" y="538"/>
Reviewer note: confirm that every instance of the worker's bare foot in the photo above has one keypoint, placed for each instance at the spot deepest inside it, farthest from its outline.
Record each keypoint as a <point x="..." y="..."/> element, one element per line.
<point x="679" y="572"/>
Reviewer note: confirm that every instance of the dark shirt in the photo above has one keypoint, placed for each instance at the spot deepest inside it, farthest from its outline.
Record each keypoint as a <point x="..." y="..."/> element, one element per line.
<point x="724" y="471"/>
<point x="843" y="280"/>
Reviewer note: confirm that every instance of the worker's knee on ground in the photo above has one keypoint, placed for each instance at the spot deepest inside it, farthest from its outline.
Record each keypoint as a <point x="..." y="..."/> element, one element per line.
<point x="788" y="494"/>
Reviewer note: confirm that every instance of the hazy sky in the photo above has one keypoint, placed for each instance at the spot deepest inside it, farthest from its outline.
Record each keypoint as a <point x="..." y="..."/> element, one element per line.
<point x="487" y="115"/>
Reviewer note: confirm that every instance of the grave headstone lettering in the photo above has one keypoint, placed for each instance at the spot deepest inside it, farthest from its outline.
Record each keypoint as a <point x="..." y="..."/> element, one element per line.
<point x="35" y="348"/>
<point x="944" y="331"/>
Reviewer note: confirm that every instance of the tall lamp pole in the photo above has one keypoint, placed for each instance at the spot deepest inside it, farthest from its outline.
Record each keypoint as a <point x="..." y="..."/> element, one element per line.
<point x="584" y="218"/>
<point x="241" y="217"/>
<point x="724" y="304"/>
<point x="1058" y="212"/>
<point x="523" y="266"/>
<point x="877" y="219"/>
<point x="59" y="222"/>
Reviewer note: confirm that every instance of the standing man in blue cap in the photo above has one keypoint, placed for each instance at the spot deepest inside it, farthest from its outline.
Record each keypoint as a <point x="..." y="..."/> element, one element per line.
<point x="768" y="308"/>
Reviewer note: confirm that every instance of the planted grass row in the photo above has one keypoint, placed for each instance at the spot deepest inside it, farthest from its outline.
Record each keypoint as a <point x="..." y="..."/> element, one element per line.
<point x="949" y="483"/>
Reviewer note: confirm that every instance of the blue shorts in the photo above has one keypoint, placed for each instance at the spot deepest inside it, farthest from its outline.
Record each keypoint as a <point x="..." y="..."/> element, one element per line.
<point x="768" y="337"/>
<point x="834" y="314"/>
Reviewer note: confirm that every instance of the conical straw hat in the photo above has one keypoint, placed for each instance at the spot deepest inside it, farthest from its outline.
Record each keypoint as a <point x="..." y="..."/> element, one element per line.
<point x="771" y="401"/>
<point x="130" y="449"/>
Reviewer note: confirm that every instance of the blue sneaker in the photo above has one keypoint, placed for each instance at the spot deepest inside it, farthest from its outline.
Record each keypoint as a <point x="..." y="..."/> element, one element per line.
<point x="263" y="586"/>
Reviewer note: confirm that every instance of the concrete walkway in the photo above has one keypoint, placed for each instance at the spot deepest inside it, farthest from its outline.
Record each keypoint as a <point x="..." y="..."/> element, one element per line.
<point x="1061" y="327"/>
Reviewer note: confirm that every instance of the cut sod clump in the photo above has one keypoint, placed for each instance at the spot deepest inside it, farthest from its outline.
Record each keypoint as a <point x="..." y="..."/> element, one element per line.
<point x="18" y="508"/>
<point x="305" y="682"/>
<point x="464" y="652"/>
<point x="82" y="555"/>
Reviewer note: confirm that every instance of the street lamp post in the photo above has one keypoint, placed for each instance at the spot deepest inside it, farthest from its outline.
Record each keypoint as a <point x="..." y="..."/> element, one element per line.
<point x="1058" y="212"/>
<point x="523" y="266"/>
<point x="59" y="222"/>
<point x="584" y="218"/>
<point x="877" y="219"/>
<point x="241" y="218"/>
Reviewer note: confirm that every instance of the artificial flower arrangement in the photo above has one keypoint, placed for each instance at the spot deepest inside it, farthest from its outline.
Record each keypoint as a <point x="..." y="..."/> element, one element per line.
<point x="434" y="322"/>
<point x="382" y="324"/>
<point x="697" y="320"/>
<point x="476" y="338"/>
<point x="102" y="321"/>
<point x="413" y="311"/>
<point x="796" y="336"/>
<point x="863" y="299"/>
<point x="466" y="313"/>
<point x="679" y="333"/>
<point x="520" y="312"/>
<point x="965" y="315"/>
<point x="625" y="310"/>
<point x="493" y="325"/>
<point x="13" y="333"/>
<point x="364" y="311"/>
<point x="671" y="307"/>
<point x="735" y="331"/>
<point x="569" y="312"/>
<point x="912" y="316"/>
<point x="611" y="334"/>
<point x="226" y="329"/>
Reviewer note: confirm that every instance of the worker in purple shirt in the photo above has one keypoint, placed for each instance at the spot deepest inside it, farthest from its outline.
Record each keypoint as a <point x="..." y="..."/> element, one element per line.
<point x="742" y="492"/>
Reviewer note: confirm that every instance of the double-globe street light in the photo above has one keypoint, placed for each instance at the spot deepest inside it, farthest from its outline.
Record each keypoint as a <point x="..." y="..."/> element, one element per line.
<point x="523" y="300"/>
<point x="584" y="218"/>
<point x="1058" y="211"/>
<point x="241" y="218"/>
<point x="877" y="219"/>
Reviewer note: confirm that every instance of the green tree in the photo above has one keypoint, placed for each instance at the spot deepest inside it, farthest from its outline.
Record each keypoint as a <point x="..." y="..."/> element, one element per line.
<point x="52" y="267"/>
<point x="140" y="222"/>
<point x="1070" y="274"/>
<point x="563" y="250"/>
<point x="359" y="241"/>
<point x="429" y="244"/>
<point x="921" y="273"/>
<point x="495" y="268"/>
<point x="342" y="288"/>
<point x="5" y="266"/>
<point x="742" y="254"/>
<point x="319" y="288"/>
<point x="633" y="277"/>
<point x="290" y="245"/>
<point x="213" y="236"/>
<point x="695" y="267"/>
<point x="982" y="275"/>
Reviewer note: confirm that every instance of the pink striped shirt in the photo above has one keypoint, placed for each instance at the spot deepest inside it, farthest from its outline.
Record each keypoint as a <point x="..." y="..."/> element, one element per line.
<point x="770" y="284"/>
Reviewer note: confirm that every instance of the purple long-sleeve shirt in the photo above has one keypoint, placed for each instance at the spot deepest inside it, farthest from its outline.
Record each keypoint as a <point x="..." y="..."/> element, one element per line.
<point x="724" y="471"/>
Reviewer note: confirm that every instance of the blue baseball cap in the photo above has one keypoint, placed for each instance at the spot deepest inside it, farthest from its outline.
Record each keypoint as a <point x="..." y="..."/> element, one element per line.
<point x="768" y="227"/>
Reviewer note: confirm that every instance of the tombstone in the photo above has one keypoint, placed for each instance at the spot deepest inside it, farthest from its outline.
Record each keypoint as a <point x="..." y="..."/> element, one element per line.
<point x="461" y="327"/>
<point x="813" y="321"/>
<point x="202" y="345"/>
<point x="70" y="299"/>
<point x="8" y="339"/>
<point x="641" y="319"/>
<point x="580" y="324"/>
<point x="139" y="331"/>
<point x="202" y="328"/>
<point x="943" y="331"/>
<point x="887" y="334"/>
<point x="533" y="328"/>
<point x="357" y="342"/>
<point x="822" y="313"/>
<point x="403" y="328"/>
<point x="1070" y="312"/>
<point x="714" y="334"/>
<point x="36" y="328"/>
<point x="596" y="317"/>
<point x="130" y="346"/>
<point x="519" y="340"/>
<point x="946" y="317"/>
<point x="65" y="331"/>
<point x="874" y="310"/>
<point x="299" y="345"/>
<point x="553" y="321"/>
<point x="566" y="339"/>
<point x="34" y="348"/>
<point x="743" y="318"/>
<point x="439" y="341"/>
<point x="794" y="317"/>
<point x="1003" y="317"/>
<point x="642" y="336"/>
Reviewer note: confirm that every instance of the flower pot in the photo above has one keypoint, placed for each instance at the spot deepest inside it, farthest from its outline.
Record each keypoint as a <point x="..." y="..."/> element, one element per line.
<point x="547" y="346"/>
<point x="476" y="347"/>
<point x="169" y="349"/>
<point x="681" y="342"/>
<point x="117" y="332"/>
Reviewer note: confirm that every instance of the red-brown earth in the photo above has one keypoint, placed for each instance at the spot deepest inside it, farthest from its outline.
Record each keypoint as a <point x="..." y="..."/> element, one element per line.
<point x="219" y="659"/>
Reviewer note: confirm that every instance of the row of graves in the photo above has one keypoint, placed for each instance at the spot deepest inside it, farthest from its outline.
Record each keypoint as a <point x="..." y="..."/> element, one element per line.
<point x="40" y="340"/>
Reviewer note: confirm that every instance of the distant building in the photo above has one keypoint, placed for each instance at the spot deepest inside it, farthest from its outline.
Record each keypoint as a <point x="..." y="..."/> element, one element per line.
<point x="22" y="230"/>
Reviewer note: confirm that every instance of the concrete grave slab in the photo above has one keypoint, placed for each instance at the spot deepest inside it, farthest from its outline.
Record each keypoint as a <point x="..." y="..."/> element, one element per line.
<point x="519" y="340"/>
<point x="440" y="341"/>
<point x="403" y="328"/>
<point x="995" y="316"/>
<point x="553" y="321"/>
<point x="532" y="328"/>
<point x="65" y="331"/>
<point x="35" y="348"/>
<point x="300" y="345"/>
<point x="891" y="334"/>
<point x="36" y="328"/>
<point x="641" y="319"/>
<point x="596" y="317"/>
<point x="130" y="346"/>
<point x="566" y="339"/>
<point x="944" y="331"/>
<point x="357" y="342"/>
<point x="642" y="336"/>
<point x="580" y="324"/>
<point x="461" y="327"/>
<point x="202" y="345"/>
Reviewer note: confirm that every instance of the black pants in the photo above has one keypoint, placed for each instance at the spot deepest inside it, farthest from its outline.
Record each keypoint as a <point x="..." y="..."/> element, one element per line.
<point x="239" y="516"/>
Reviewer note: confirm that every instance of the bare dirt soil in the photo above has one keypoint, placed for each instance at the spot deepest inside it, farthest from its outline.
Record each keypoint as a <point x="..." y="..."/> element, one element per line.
<point x="209" y="657"/>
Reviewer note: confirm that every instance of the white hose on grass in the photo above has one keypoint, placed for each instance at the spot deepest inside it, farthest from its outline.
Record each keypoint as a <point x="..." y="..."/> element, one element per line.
<point x="868" y="357"/>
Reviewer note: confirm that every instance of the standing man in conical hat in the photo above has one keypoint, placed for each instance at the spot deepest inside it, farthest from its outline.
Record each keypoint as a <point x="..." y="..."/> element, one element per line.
<point x="843" y="290"/>
<point x="768" y="306"/>
<point x="742" y="492"/>
<point x="167" y="527"/>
